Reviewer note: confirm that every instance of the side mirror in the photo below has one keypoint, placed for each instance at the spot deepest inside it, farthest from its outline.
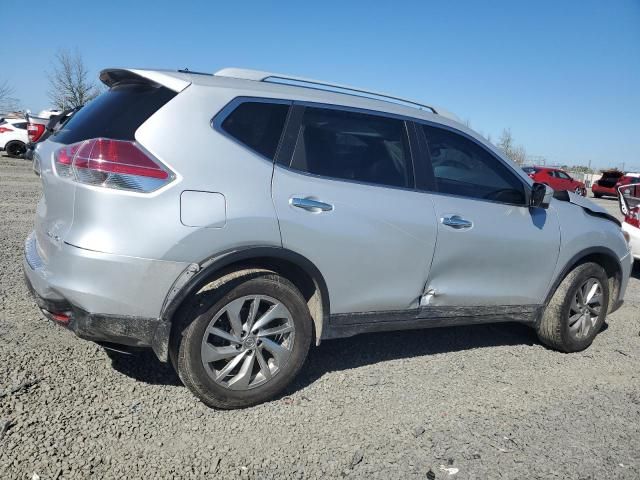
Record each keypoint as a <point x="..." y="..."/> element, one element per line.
<point x="541" y="195"/>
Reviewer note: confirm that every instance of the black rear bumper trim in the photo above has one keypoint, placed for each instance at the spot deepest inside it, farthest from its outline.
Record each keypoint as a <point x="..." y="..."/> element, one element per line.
<point x="124" y="330"/>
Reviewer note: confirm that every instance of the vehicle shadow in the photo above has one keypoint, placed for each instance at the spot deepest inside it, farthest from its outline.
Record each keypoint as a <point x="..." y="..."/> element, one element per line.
<point x="145" y="367"/>
<point x="347" y="353"/>
<point x="373" y="348"/>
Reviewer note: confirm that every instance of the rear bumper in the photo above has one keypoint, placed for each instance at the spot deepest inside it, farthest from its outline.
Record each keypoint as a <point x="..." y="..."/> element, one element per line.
<point x="108" y="298"/>
<point x="595" y="188"/>
<point x="130" y="331"/>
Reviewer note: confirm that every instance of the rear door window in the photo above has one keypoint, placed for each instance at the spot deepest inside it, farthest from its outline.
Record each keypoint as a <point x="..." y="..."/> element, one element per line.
<point x="258" y="125"/>
<point x="353" y="146"/>
<point x="462" y="167"/>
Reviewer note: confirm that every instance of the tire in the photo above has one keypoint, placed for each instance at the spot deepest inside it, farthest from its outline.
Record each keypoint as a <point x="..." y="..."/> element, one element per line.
<point x="15" y="149"/>
<point x="207" y="334"/>
<point x="559" y="329"/>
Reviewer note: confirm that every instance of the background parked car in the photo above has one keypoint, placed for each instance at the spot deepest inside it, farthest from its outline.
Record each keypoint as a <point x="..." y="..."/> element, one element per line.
<point x="41" y="127"/>
<point x="556" y="178"/>
<point x="13" y="136"/>
<point x="611" y="180"/>
<point x="629" y="198"/>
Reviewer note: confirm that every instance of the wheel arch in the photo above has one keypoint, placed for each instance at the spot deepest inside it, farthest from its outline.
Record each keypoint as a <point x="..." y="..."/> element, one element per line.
<point x="602" y="256"/>
<point x="227" y="266"/>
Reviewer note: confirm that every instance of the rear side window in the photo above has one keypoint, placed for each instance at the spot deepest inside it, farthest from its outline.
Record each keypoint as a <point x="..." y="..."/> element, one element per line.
<point x="116" y="113"/>
<point x="462" y="167"/>
<point x="353" y="146"/>
<point x="257" y="125"/>
<point x="21" y="125"/>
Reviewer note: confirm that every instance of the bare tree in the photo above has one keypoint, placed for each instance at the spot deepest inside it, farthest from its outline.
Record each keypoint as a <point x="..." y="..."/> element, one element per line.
<point x="8" y="102"/>
<point x="69" y="85"/>
<point x="517" y="153"/>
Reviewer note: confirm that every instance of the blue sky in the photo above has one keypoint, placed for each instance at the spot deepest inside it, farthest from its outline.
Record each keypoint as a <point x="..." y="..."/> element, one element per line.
<point x="563" y="75"/>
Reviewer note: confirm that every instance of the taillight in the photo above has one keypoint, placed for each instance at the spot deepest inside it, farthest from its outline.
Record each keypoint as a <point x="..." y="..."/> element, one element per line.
<point x="110" y="163"/>
<point x="35" y="131"/>
<point x="633" y="217"/>
<point x="5" y="129"/>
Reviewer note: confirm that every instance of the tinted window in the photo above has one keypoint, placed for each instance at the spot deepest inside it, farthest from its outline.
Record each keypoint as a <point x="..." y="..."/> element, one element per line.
<point x="22" y="125"/>
<point x="257" y="125"/>
<point x="353" y="146"/>
<point x="462" y="167"/>
<point x="116" y="113"/>
<point x="562" y="175"/>
<point x="529" y="170"/>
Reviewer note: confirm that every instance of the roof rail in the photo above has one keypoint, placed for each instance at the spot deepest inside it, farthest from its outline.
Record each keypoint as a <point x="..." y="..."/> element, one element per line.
<point x="260" y="76"/>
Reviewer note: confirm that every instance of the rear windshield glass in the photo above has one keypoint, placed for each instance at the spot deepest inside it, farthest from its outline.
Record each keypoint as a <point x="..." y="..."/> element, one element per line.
<point x="529" y="170"/>
<point x="611" y="174"/>
<point x="116" y="113"/>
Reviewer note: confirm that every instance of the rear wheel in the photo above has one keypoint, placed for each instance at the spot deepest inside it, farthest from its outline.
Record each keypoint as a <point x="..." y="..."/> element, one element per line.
<point x="577" y="309"/>
<point x="15" y="149"/>
<point x="244" y="344"/>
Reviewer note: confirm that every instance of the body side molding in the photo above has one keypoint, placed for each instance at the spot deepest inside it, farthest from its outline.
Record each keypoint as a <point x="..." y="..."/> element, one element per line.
<point x="347" y="325"/>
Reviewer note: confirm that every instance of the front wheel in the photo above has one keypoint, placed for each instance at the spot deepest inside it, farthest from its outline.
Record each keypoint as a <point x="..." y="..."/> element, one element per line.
<point x="577" y="309"/>
<point x="243" y="345"/>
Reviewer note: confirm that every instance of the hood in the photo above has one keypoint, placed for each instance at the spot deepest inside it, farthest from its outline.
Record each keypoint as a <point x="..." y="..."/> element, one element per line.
<point x="589" y="206"/>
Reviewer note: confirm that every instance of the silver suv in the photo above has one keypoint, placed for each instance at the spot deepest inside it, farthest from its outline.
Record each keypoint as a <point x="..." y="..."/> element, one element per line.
<point x="230" y="221"/>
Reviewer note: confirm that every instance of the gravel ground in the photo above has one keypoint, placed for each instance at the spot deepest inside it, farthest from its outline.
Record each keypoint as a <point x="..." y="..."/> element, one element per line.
<point x="482" y="401"/>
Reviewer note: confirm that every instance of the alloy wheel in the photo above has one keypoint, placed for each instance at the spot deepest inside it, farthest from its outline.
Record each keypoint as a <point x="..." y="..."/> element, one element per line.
<point x="585" y="308"/>
<point x="247" y="342"/>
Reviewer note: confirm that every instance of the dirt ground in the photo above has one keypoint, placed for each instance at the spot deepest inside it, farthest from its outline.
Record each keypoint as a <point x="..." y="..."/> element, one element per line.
<point x="479" y="402"/>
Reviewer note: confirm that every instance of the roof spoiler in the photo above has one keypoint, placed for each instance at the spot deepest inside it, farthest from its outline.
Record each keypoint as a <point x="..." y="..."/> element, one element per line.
<point x="114" y="76"/>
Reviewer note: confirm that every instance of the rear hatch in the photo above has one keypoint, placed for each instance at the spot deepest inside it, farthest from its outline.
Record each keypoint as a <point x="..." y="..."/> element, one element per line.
<point x="113" y="117"/>
<point x="610" y="178"/>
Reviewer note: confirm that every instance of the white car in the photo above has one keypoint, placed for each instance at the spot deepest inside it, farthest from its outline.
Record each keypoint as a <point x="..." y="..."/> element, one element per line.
<point x="13" y="136"/>
<point x="629" y="197"/>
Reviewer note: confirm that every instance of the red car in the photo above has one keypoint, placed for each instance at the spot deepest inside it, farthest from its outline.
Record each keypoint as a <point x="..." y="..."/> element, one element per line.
<point x="556" y="178"/>
<point x="611" y="180"/>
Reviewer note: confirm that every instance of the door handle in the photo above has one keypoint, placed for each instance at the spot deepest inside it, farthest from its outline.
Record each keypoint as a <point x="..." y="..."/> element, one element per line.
<point x="456" y="221"/>
<point x="310" y="205"/>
